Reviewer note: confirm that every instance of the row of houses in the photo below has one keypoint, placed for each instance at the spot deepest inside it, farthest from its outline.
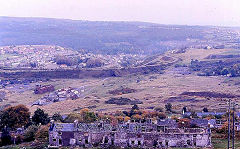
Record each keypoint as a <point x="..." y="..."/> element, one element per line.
<point x="58" y="95"/>
<point x="212" y="123"/>
<point x="158" y="134"/>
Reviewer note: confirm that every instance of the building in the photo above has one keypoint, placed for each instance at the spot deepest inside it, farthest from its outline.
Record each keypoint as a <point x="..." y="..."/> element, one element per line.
<point x="142" y="135"/>
<point x="203" y="123"/>
<point x="43" y="89"/>
<point x="204" y="114"/>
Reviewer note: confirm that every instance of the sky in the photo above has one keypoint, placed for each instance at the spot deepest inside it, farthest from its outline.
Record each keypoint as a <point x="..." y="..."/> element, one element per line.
<point x="182" y="12"/>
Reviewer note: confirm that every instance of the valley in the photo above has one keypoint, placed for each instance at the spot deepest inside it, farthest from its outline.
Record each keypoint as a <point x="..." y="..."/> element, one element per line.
<point x="153" y="82"/>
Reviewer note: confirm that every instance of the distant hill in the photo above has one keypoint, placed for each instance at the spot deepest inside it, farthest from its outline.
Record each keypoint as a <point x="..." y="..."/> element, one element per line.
<point x="107" y="37"/>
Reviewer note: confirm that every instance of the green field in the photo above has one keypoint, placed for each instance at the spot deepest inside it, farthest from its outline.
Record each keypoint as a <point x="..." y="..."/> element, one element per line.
<point x="222" y="143"/>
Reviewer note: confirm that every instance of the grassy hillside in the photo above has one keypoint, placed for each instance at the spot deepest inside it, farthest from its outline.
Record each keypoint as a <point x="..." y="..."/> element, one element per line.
<point x="105" y="37"/>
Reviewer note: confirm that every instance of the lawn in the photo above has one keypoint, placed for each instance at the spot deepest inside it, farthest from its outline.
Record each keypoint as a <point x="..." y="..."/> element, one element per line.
<point x="222" y="143"/>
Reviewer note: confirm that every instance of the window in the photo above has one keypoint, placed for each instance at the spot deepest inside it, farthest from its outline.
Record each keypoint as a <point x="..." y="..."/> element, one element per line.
<point x="135" y="128"/>
<point x="139" y="142"/>
<point x="106" y="140"/>
<point x="112" y="141"/>
<point x="155" y="143"/>
<point x="132" y="142"/>
<point x="60" y="141"/>
<point x="54" y="140"/>
<point x="188" y="142"/>
<point x="166" y="142"/>
<point x="86" y="141"/>
<point x="143" y="129"/>
<point x="195" y="143"/>
<point x="160" y="143"/>
<point x="149" y="130"/>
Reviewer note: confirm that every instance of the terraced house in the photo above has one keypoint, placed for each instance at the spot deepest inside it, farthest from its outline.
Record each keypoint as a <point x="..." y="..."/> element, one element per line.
<point x="129" y="134"/>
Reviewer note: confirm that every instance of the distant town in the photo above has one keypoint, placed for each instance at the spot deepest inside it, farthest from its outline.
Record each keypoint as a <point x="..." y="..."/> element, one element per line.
<point x="55" y="57"/>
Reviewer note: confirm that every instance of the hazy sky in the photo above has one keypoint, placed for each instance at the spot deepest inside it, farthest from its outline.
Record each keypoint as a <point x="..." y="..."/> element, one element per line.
<point x="191" y="12"/>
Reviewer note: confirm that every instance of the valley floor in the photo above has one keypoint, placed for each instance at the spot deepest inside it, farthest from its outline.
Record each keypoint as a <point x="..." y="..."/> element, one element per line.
<point x="154" y="90"/>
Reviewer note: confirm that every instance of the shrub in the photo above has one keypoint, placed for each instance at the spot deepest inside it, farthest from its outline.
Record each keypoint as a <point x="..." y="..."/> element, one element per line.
<point x="15" y="117"/>
<point x="29" y="134"/>
<point x="40" y="117"/>
<point x="168" y="107"/>
<point x="42" y="134"/>
<point x="57" y="117"/>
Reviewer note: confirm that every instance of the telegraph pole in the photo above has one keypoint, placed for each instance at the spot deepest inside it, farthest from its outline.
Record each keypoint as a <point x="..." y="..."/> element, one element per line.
<point x="233" y="131"/>
<point x="229" y="103"/>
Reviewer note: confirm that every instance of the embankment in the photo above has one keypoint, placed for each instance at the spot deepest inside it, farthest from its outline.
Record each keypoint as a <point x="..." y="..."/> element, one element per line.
<point x="83" y="73"/>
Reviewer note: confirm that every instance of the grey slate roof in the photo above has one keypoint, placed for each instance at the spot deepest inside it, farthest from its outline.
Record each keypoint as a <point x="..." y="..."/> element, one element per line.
<point x="200" y="122"/>
<point x="63" y="127"/>
<point x="167" y="122"/>
<point x="200" y="114"/>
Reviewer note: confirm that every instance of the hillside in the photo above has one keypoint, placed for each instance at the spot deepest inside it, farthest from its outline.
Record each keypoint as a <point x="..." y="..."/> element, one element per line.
<point x="153" y="82"/>
<point x="112" y="37"/>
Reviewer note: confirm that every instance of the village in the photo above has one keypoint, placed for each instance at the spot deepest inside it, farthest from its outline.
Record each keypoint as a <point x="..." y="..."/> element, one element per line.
<point x="137" y="127"/>
<point x="46" y="57"/>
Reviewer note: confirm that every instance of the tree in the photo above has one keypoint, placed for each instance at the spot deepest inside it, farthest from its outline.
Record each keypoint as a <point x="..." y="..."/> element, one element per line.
<point x="42" y="134"/>
<point x="40" y="117"/>
<point x="15" y="116"/>
<point x="184" y="109"/>
<point x="72" y="117"/>
<point x="218" y="116"/>
<point x="135" y="107"/>
<point x="224" y="71"/>
<point x="126" y="118"/>
<point x="162" y="115"/>
<point x="5" y="137"/>
<point x="84" y="116"/>
<point x="120" y="118"/>
<point x="168" y="107"/>
<point x="137" y="117"/>
<point x="205" y="109"/>
<point x="159" y="109"/>
<point x="87" y="116"/>
<point x="29" y="133"/>
<point x="194" y="114"/>
<point x="184" y="123"/>
<point x="57" y="117"/>
<point x="233" y="72"/>
<point x="134" y="110"/>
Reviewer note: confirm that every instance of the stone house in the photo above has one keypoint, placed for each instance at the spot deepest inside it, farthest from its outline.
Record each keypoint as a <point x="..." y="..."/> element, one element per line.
<point x="143" y="135"/>
<point x="43" y="89"/>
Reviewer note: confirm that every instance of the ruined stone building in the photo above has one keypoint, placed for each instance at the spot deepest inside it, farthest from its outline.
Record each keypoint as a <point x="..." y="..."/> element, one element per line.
<point x="143" y="135"/>
<point x="43" y="89"/>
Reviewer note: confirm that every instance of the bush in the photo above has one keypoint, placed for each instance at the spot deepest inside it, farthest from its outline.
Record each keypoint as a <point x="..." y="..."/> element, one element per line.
<point x="57" y="117"/>
<point x="158" y="109"/>
<point x="40" y="117"/>
<point x="205" y="109"/>
<point x="29" y="134"/>
<point x="42" y="134"/>
<point x="84" y="116"/>
<point x="168" y="107"/>
<point x="72" y="117"/>
<point x="162" y="116"/>
<point x="15" y="117"/>
<point x="5" y="138"/>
